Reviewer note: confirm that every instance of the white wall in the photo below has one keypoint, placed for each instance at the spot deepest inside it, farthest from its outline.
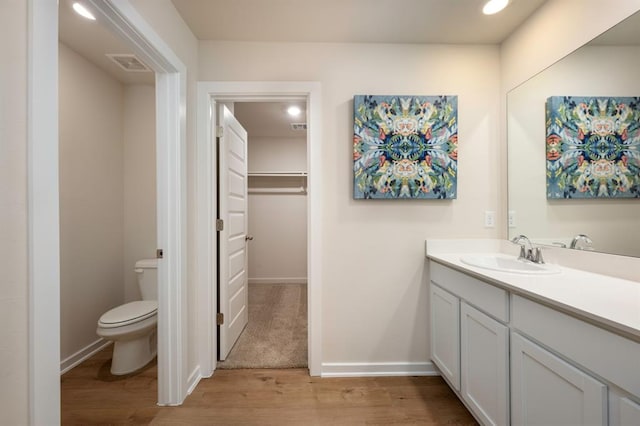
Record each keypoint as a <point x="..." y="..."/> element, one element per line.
<point x="556" y="29"/>
<point x="107" y="194"/>
<point x="374" y="294"/>
<point x="278" y="251"/>
<point x="14" y="357"/>
<point x="277" y="222"/>
<point x="91" y="198"/>
<point x="269" y="154"/>
<point x="140" y="230"/>
<point x="611" y="223"/>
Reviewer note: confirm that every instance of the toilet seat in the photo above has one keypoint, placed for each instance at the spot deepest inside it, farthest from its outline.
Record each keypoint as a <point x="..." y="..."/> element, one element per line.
<point x="129" y="313"/>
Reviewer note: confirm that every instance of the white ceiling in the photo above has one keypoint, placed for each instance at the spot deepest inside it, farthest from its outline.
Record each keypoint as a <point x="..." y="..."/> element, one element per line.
<point x="351" y="21"/>
<point x="354" y="21"/>
<point x="357" y="21"/>
<point x="93" y="41"/>
<point x="382" y="21"/>
<point x="366" y="21"/>
<point x="270" y="119"/>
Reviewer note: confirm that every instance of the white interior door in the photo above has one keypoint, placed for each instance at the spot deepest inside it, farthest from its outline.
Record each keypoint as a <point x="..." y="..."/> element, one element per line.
<point x="232" y="178"/>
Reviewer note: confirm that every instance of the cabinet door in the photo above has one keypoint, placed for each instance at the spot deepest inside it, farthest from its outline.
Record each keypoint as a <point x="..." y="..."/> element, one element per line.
<point x="445" y="334"/>
<point x="622" y="410"/>
<point x="545" y="390"/>
<point x="484" y="364"/>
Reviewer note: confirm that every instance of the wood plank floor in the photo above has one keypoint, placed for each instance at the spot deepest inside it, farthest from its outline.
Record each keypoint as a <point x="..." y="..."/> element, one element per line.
<point x="92" y="396"/>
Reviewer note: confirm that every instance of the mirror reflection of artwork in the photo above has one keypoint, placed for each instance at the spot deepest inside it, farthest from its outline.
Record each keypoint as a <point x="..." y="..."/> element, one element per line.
<point x="405" y="147"/>
<point x="593" y="147"/>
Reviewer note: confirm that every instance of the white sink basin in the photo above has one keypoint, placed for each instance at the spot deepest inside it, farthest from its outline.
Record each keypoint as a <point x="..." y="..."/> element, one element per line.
<point x="505" y="263"/>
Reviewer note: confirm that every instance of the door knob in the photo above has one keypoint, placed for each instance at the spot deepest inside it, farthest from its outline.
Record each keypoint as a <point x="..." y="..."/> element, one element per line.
<point x="248" y="237"/>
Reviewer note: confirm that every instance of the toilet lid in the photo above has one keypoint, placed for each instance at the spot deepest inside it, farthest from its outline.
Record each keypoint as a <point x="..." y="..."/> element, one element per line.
<point x="129" y="313"/>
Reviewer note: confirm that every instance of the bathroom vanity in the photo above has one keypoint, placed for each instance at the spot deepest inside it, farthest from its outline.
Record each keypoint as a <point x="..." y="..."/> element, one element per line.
<point x="556" y="346"/>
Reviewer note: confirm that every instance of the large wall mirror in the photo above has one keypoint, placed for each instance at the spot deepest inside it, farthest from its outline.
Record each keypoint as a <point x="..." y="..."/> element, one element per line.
<point x="608" y="66"/>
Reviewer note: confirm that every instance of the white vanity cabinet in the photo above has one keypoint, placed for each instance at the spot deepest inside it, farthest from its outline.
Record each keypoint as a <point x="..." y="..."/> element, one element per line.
<point x="445" y="334"/>
<point x="484" y="360"/>
<point x="469" y="346"/>
<point x="622" y="410"/>
<point x="517" y="360"/>
<point x="545" y="390"/>
<point x="599" y="370"/>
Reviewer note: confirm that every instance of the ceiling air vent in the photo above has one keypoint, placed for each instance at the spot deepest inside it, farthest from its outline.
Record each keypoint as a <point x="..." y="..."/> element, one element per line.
<point x="128" y="62"/>
<point x="298" y="126"/>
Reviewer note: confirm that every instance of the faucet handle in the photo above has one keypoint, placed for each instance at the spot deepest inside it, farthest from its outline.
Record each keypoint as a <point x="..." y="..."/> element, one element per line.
<point x="537" y="256"/>
<point x="523" y="252"/>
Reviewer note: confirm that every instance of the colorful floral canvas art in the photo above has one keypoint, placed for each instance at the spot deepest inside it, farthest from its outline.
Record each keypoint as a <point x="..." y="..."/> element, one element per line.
<point x="405" y="147"/>
<point x="593" y="147"/>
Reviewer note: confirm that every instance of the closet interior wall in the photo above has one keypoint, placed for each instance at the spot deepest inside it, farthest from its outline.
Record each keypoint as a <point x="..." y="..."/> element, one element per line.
<point x="277" y="210"/>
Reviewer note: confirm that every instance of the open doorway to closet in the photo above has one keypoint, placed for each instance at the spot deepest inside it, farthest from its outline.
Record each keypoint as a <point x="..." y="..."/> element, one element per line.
<point x="275" y="335"/>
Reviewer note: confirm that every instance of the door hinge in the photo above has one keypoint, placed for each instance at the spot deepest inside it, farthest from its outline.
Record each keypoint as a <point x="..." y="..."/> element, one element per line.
<point x="219" y="131"/>
<point x="159" y="254"/>
<point x="219" y="318"/>
<point x="219" y="225"/>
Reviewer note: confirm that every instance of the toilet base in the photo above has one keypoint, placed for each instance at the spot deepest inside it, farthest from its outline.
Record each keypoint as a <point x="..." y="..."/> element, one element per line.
<point x="131" y="355"/>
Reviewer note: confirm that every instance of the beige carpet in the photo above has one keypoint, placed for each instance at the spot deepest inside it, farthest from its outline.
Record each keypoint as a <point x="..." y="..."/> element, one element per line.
<point x="276" y="335"/>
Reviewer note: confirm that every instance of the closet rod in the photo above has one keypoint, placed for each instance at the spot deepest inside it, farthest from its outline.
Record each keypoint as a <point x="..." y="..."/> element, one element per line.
<point x="300" y="190"/>
<point x="277" y="174"/>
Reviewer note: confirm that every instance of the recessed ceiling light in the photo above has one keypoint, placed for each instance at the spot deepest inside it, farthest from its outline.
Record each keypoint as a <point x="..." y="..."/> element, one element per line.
<point x="83" y="11"/>
<point x="293" y="111"/>
<point x="494" y="6"/>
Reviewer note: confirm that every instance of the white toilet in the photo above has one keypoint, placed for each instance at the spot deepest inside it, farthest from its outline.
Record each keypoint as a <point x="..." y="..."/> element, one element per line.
<point x="132" y="326"/>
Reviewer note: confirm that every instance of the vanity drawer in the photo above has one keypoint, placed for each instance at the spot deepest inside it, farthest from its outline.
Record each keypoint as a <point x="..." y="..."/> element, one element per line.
<point x="490" y="299"/>
<point x="610" y="356"/>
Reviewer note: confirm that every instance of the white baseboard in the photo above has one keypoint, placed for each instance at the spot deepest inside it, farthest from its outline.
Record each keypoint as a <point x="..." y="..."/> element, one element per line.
<point x="289" y="280"/>
<point x="83" y="354"/>
<point x="362" y="369"/>
<point x="194" y="379"/>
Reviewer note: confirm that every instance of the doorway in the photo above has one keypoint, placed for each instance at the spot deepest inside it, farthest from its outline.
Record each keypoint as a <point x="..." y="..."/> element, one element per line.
<point x="209" y="94"/>
<point x="275" y="241"/>
<point x="107" y="180"/>
<point x="43" y="192"/>
<point x="122" y="19"/>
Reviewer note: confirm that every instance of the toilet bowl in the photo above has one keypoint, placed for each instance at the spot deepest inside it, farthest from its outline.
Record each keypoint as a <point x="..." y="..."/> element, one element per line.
<point x="132" y="326"/>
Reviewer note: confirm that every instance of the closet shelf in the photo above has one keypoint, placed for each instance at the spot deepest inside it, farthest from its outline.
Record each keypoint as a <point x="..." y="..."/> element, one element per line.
<point x="277" y="174"/>
<point x="300" y="190"/>
<point x="267" y="182"/>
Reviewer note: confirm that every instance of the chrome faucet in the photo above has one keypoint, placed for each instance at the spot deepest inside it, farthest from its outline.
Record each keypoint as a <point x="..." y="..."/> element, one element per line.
<point x="578" y="238"/>
<point x="533" y="254"/>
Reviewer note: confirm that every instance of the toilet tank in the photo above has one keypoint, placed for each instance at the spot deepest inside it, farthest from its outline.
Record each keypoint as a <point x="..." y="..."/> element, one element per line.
<point x="147" y="275"/>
